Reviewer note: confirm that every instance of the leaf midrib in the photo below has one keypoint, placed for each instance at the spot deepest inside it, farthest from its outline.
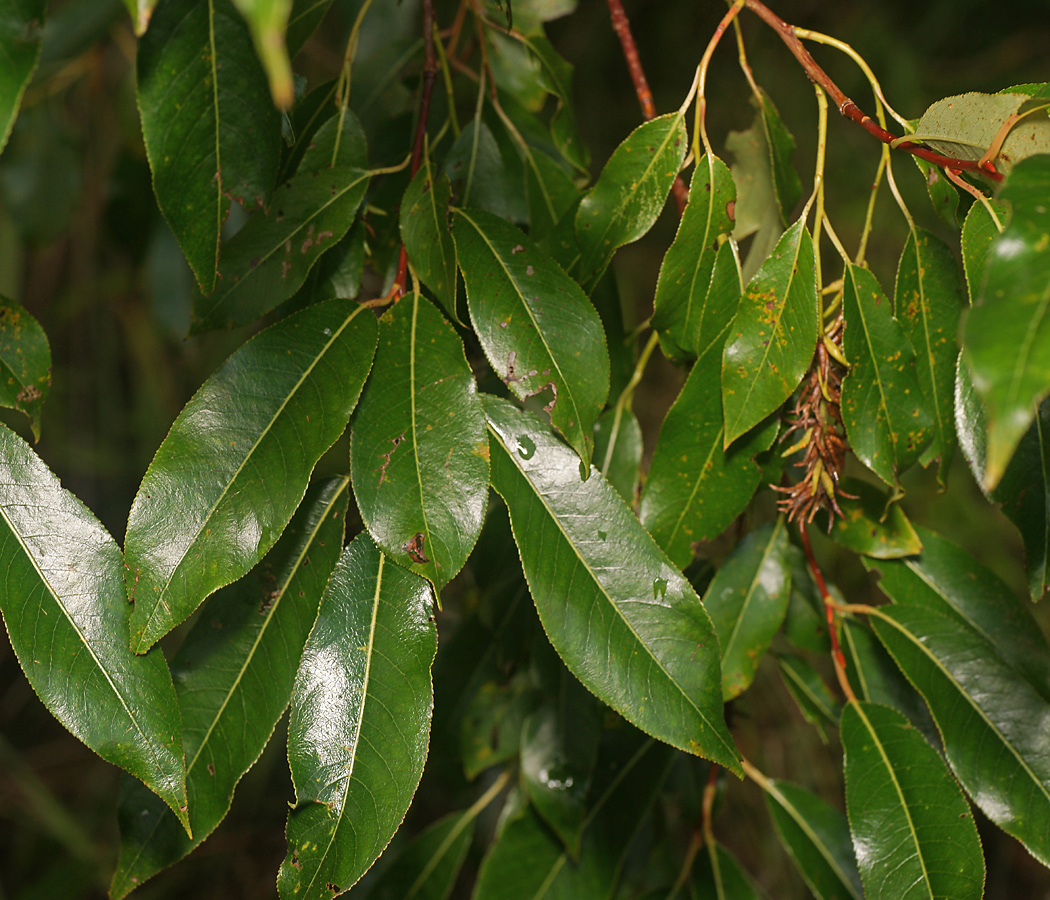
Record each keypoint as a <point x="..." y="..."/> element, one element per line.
<point x="240" y="467"/>
<point x="594" y="578"/>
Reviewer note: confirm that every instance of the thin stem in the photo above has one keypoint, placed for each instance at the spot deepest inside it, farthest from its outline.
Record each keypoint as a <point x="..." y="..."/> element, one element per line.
<point x="818" y="191"/>
<point x="955" y="179"/>
<point x="705" y="61"/>
<point x="892" y="182"/>
<point x="837" y="656"/>
<point x="449" y="92"/>
<point x="847" y="107"/>
<point x="622" y="27"/>
<point x="869" y="217"/>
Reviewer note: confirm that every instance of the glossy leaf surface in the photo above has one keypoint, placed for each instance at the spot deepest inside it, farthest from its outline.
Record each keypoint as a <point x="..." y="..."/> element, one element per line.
<point x="25" y="363"/>
<point x="1006" y="341"/>
<point x="887" y="423"/>
<point x="233" y="678"/>
<point x="623" y="619"/>
<point x="1024" y="489"/>
<point x="912" y="828"/>
<point x="773" y="336"/>
<point x="67" y="617"/>
<point x="929" y="300"/>
<point x="984" y="710"/>
<point x="685" y="288"/>
<point x="419" y="453"/>
<point x="870" y="527"/>
<point x="978" y="234"/>
<point x="237" y="460"/>
<point x="747" y="601"/>
<point x="424" y="230"/>
<point x="536" y="326"/>
<point x="816" y="836"/>
<point x="360" y="721"/>
<point x="630" y="193"/>
<point x="20" y="33"/>
<point x="427" y="868"/>
<point x="695" y="486"/>
<point x="269" y="258"/>
<point x="210" y="126"/>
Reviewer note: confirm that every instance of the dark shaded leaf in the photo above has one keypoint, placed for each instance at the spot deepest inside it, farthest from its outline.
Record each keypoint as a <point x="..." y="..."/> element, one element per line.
<point x="360" y="721"/>
<point x="67" y="616"/>
<point x="419" y="450"/>
<point x="269" y="258"/>
<point x="773" y="335"/>
<point x="747" y="601"/>
<point x="490" y="732"/>
<point x="929" y="299"/>
<point x="427" y="868"/>
<point x="556" y="76"/>
<point x="476" y="169"/>
<point x="233" y="678"/>
<point x="618" y="450"/>
<point x="623" y="619"/>
<point x="781" y="143"/>
<point x="630" y="193"/>
<point x="757" y="211"/>
<point x="943" y="194"/>
<point x="718" y="876"/>
<point x="1006" y="339"/>
<point x="816" y="836"/>
<point x="210" y="126"/>
<point x="887" y="424"/>
<point x="303" y="20"/>
<point x="237" y="460"/>
<point x="872" y="526"/>
<point x="805" y="624"/>
<point x="814" y="698"/>
<point x="427" y="239"/>
<point x="695" y="486"/>
<point x="550" y="193"/>
<point x="691" y="307"/>
<point x="536" y="326"/>
<point x="912" y="828"/>
<point x="20" y="33"/>
<point x="25" y="363"/>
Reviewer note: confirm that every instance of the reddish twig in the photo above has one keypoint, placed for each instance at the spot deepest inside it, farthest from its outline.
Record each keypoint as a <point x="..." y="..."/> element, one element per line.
<point x="837" y="656"/>
<point x="848" y="108"/>
<point x="622" y="27"/>
<point x="430" y="74"/>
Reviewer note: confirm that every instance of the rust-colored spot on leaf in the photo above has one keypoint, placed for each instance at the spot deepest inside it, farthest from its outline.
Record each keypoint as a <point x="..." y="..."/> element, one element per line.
<point x="414" y="549"/>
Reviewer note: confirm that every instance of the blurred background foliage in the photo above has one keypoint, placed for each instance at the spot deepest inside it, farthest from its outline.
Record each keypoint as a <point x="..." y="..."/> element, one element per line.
<point x="84" y="248"/>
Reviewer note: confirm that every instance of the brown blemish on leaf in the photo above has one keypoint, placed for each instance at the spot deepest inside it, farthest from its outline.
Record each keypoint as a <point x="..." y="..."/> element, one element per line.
<point x="386" y="456"/>
<point x="414" y="549"/>
<point x="211" y="768"/>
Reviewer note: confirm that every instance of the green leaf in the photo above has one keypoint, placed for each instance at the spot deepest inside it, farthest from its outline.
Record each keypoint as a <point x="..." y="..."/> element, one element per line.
<point x="490" y="731"/>
<point x="303" y="20"/>
<point x="338" y="142"/>
<point x="984" y="711"/>
<point x="20" y="33"/>
<point x="233" y="678"/>
<point x="67" y="617"/>
<point x="556" y="76"/>
<point x="476" y="169"/>
<point x="947" y="579"/>
<point x="964" y="126"/>
<point x="875" y="677"/>
<point x="428" y="867"/>
<point x="871" y="525"/>
<point x="427" y="239"/>
<point x="527" y="861"/>
<point x="25" y="363"/>
<point x="781" y="144"/>
<point x="816" y="837"/>
<point x="887" y="424"/>
<point x="360" y="721"/>
<point x="912" y="829"/>
<point x="268" y="20"/>
<point x="718" y="876"/>
<point x="747" y="601"/>
<point x="630" y="193"/>
<point x="691" y="307"/>
<point x="549" y="192"/>
<point x="929" y="299"/>
<point x="559" y="747"/>
<point x="1024" y="489"/>
<point x="813" y="696"/>
<point x="623" y="619"/>
<point x="943" y="194"/>
<point x="535" y="325"/>
<point x="269" y="258"/>
<point x="618" y="450"/>
<point x="773" y="335"/>
<point x="237" y="460"/>
<point x="210" y="126"/>
<point x="978" y="234"/>
<point x="757" y="211"/>
<point x="805" y="624"/>
<point x="696" y="487"/>
<point x="1006" y="339"/>
<point x="419" y="451"/>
